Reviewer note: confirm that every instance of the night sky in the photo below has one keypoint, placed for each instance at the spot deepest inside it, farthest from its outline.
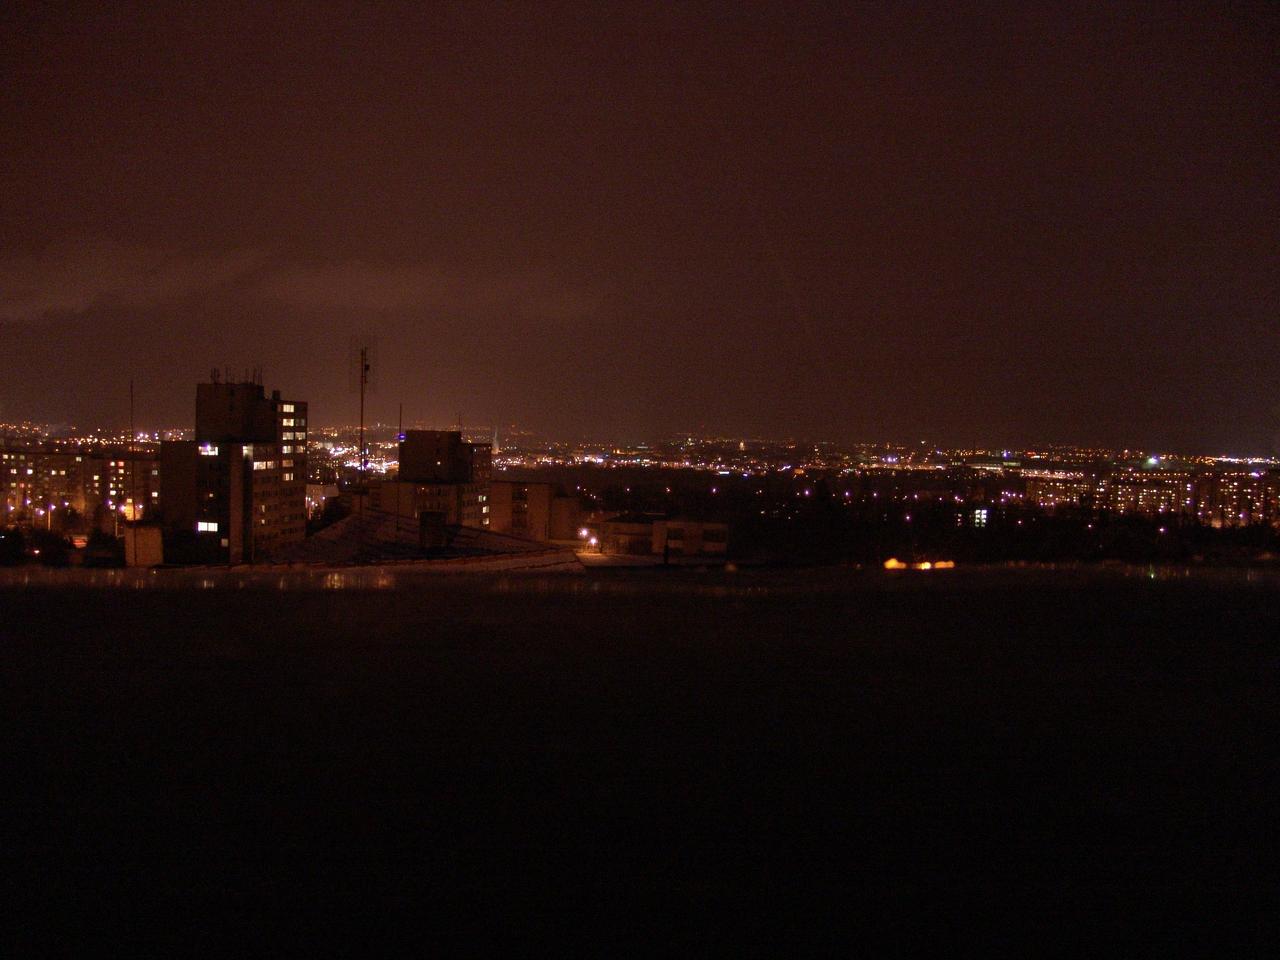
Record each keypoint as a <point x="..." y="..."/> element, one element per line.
<point x="1001" y="224"/>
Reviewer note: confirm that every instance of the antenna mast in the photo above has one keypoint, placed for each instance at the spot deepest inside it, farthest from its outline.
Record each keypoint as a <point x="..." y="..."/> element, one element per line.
<point x="399" y="444"/>
<point x="359" y="373"/>
<point x="364" y="382"/>
<point x="133" y="473"/>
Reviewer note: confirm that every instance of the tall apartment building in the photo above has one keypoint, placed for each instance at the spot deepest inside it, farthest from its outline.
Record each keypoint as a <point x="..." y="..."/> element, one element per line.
<point x="440" y="473"/>
<point x="101" y="484"/>
<point x="442" y="456"/>
<point x="35" y="478"/>
<point x="1236" y="499"/>
<point x="242" y="482"/>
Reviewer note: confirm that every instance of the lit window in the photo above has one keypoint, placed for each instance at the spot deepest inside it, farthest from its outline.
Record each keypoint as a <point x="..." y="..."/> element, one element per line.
<point x="208" y="450"/>
<point x="287" y="422"/>
<point x="286" y="407"/>
<point x="287" y="478"/>
<point x="206" y="526"/>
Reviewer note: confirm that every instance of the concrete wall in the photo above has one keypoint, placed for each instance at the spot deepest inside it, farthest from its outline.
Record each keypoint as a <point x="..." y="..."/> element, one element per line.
<point x="239" y="412"/>
<point x="178" y="484"/>
<point x="142" y="545"/>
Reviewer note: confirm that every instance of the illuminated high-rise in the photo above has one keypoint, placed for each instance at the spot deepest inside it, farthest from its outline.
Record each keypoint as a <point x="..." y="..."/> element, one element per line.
<point x="250" y="474"/>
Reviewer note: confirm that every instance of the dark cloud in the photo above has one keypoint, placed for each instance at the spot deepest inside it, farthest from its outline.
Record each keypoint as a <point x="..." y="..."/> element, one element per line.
<point x="358" y="287"/>
<point x="75" y="278"/>
<point x="1002" y="223"/>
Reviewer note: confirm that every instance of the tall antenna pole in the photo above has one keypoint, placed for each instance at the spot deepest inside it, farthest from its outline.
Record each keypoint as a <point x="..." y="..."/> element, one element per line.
<point x="362" y="492"/>
<point x="364" y="381"/>
<point x="399" y="440"/>
<point x="133" y="472"/>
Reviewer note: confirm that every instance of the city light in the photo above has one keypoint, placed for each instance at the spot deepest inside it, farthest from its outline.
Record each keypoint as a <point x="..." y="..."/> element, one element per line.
<point x="984" y="491"/>
<point x="893" y="563"/>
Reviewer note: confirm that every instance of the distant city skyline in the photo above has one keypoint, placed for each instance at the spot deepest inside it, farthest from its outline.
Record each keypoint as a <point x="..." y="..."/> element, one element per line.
<point x="518" y="437"/>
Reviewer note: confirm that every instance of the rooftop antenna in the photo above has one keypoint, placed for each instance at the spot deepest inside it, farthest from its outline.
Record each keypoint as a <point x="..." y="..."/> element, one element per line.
<point x="364" y="385"/>
<point x="133" y="475"/>
<point x="399" y="440"/>
<point x="363" y="360"/>
<point x="362" y="355"/>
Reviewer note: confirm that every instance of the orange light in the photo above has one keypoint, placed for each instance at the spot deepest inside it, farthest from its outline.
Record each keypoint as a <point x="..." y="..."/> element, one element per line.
<point x="893" y="563"/>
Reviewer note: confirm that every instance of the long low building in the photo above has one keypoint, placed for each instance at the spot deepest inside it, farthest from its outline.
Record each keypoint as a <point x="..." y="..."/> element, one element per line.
<point x="42" y="483"/>
<point x="641" y="534"/>
<point x="1218" y="499"/>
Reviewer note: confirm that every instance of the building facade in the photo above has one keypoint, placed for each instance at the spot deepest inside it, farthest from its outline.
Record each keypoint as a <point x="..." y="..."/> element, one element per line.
<point x="45" y="484"/>
<point x="533" y="510"/>
<point x="440" y="474"/>
<point x="1214" y="498"/>
<point x="690" y="538"/>
<point x="250" y="472"/>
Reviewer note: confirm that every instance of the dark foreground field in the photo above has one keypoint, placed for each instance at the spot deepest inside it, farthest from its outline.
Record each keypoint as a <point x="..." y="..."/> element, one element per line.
<point x="630" y="762"/>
